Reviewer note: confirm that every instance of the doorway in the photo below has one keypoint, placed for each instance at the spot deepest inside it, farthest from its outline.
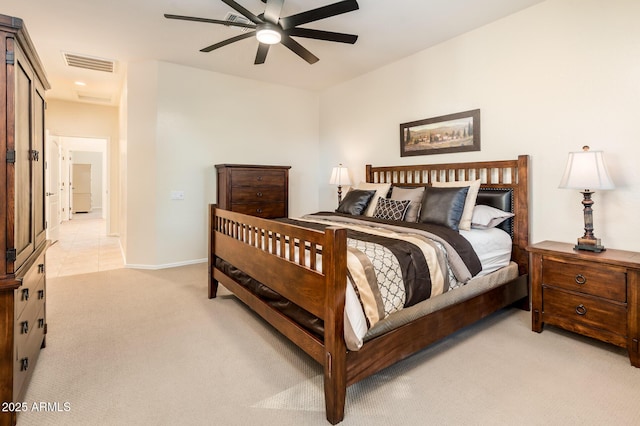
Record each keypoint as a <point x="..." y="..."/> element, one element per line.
<point x="85" y="245"/>
<point x="77" y="150"/>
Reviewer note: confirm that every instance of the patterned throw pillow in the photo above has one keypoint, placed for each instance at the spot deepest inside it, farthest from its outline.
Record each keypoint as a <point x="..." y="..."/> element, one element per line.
<point x="391" y="209"/>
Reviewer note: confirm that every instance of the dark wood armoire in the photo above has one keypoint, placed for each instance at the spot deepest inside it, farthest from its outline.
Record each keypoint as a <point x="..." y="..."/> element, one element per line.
<point x="22" y="213"/>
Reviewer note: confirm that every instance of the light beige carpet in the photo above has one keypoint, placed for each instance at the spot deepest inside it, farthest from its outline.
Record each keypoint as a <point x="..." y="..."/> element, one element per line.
<point x="133" y="347"/>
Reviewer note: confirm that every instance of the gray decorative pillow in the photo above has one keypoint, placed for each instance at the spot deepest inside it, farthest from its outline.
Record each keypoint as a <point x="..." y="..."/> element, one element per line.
<point x="414" y="195"/>
<point x="443" y="206"/>
<point x="391" y="209"/>
<point x="355" y="202"/>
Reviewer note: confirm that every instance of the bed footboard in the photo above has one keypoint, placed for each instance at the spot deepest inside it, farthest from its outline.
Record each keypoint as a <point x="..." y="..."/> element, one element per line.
<point x="286" y="259"/>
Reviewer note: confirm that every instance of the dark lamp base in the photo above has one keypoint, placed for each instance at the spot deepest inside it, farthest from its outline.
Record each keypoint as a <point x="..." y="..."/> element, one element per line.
<point x="589" y="245"/>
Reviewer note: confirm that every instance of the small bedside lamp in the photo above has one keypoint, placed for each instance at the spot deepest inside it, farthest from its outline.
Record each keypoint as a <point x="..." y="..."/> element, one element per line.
<point x="340" y="176"/>
<point x="586" y="171"/>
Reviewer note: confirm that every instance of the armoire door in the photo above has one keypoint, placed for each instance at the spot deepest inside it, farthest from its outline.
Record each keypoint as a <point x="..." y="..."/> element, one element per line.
<point x="24" y="239"/>
<point x="38" y="166"/>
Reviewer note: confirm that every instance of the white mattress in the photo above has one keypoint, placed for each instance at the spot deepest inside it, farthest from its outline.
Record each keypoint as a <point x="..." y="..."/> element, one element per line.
<point x="493" y="247"/>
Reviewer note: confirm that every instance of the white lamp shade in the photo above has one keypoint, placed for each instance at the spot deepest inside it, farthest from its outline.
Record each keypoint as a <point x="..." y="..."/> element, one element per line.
<point x="586" y="170"/>
<point x="340" y="176"/>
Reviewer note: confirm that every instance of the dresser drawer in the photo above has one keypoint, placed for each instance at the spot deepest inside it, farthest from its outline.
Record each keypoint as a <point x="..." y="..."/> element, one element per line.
<point x="257" y="195"/>
<point x="26" y="355"/>
<point x="254" y="178"/>
<point x="31" y="318"/>
<point x="598" y="280"/>
<point x="30" y="282"/>
<point x="260" y="209"/>
<point x="574" y="310"/>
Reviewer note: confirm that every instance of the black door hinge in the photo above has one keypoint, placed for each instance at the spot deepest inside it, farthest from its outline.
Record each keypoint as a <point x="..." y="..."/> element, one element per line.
<point x="11" y="156"/>
<point x="11" y="255"/>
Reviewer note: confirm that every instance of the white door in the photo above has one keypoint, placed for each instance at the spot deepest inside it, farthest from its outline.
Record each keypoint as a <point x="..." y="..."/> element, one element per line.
<point x="53" y="188"/>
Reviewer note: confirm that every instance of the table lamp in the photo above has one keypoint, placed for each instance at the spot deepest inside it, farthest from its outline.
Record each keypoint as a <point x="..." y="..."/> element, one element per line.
<point x="586" y="170"/>
<point x="340" y="176"/>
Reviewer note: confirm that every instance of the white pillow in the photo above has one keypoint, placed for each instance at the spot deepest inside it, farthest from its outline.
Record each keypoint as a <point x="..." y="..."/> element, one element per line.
<point x="488" y="217"/>
<point x="381" y="191"/>
<point x="470" y="201"/>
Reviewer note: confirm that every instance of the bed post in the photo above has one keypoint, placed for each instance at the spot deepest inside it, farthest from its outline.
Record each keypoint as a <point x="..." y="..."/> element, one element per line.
<point x="334" y="265"/>
<point x="213" y="284"/>
<point x="521" y="235"/>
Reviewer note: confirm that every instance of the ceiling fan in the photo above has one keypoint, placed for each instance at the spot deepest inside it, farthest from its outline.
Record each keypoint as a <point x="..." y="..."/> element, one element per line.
<point x="270" y="28"/>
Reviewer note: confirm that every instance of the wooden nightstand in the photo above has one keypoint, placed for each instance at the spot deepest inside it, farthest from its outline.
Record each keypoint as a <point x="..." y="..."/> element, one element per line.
<point x="594" y="294"/>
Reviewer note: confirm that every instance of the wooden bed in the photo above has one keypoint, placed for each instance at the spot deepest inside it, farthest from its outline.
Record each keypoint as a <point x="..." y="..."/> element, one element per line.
<point x="247" y="243"/>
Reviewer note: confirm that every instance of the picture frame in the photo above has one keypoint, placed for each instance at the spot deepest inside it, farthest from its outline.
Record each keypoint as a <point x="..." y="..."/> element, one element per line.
<point x="457" y="132"/>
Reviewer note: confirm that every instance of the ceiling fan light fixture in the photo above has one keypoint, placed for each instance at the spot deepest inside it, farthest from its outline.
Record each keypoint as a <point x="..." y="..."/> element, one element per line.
<point x="268" y="34"/>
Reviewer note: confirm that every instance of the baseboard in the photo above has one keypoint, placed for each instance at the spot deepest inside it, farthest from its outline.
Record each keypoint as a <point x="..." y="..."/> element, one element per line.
<point x="166" y="265"/>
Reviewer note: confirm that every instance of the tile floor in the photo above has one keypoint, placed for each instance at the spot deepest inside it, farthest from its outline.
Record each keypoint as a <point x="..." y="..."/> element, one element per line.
<point x="83" y="247"/>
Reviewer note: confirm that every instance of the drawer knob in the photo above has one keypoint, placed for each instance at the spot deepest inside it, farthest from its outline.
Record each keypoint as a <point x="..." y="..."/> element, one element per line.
<point x="25" y="294"/>
<point x="259" y="194"/>
<point x="259" y="178"/>
<point x="40" y="294"/>
<point x="24" y="327"/>
<point x="258" y="210"/>
<point x="580" y="279"/>
<point x="24" y="364"/>
<point x="41" y="268"/>
<point x="581" y="310"/>
<point x="40" y="322"/>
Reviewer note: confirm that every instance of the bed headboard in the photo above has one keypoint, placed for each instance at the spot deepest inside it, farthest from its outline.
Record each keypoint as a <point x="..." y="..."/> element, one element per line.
<point x="507" y="180"/>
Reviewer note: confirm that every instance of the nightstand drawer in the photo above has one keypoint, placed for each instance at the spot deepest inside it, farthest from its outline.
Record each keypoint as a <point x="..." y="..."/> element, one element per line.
<point x="257" y="178"/>
<point x="574" y="311"/>
<point x="598" y="280"/>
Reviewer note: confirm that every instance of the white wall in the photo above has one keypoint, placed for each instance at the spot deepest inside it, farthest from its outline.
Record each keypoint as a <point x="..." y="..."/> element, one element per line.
<point x="181" y="122"/>
<point x="548" y="80"/>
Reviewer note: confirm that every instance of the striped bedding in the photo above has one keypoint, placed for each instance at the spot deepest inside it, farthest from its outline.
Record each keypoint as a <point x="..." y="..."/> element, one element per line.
<point x="391" y="266"/>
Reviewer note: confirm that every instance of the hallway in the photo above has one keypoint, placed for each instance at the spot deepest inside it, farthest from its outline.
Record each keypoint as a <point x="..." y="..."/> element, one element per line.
<point x="83" y="247"/>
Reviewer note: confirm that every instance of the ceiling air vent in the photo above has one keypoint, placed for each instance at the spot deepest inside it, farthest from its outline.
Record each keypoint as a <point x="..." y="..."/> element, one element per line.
<point x="94" y="97"/>
<point x="89" y="62"/>
<point x="232" y="17"/>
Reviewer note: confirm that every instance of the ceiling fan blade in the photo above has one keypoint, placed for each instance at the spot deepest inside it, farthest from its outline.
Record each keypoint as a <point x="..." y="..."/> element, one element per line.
<point x="323" y="35"/>
<point x="298" y="49"/>
<point x="319" y="13"/>
<point x="228" y="41"/>
<point x="210" y="21"/>
<point x="261" y="56"/>
<point x="245" y="12"/>
<point x="272" y="11"/>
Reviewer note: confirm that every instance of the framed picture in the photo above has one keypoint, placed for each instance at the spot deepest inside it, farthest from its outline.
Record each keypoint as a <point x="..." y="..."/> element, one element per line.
<point x="440" y="135"/>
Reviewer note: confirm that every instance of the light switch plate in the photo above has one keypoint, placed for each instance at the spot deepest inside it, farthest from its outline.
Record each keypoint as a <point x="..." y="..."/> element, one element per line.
<point x="177" y="195"/>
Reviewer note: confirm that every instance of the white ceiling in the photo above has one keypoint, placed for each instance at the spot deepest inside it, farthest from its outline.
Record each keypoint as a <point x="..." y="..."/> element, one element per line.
<point x="136" y="30"/>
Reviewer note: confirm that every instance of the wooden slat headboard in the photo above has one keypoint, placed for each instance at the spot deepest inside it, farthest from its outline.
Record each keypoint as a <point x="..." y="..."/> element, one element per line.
<point x="511" y="174"/>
